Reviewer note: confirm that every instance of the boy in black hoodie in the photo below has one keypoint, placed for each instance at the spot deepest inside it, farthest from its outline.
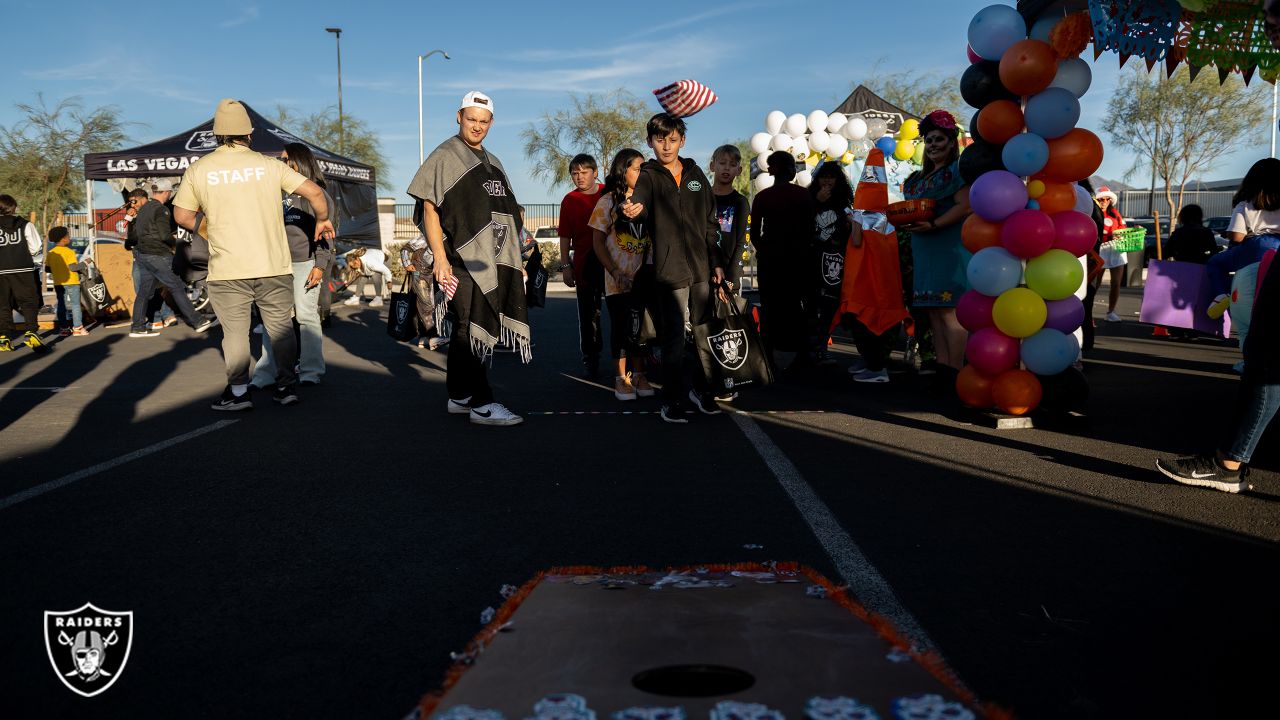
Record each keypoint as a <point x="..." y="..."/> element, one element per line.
<point x="674" y="197"/>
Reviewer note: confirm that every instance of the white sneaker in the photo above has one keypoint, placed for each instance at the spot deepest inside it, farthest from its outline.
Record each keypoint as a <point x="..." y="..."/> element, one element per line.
<point x="353" y="300"/>
<point x="857" y="366"/>
<point x="494" y="414"/>
<point x="459" y="407"/>
<point x="872" y="376"/>
<point x="376" y="302"/>
<point x="1112" y="317"/>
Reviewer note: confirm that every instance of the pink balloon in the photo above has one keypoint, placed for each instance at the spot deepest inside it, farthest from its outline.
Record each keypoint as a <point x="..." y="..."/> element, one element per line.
<point x="973" y="56"/>
<point x="991" y="351"/>
<point x="1074" y="232"/>
<point x="1027" y="233"/>
<point x="973" y="311"/>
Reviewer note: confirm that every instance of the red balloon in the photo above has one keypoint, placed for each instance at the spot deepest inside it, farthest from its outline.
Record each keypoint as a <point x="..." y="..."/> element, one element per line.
<point x="1074" y="232"/>
<point x="999" y="121"/>
<point x="974" y="388"/>
<point x="1058" y="197"/>
<point x="1016" y="392"/>
<point x="1074" y="156"/>
<point x="973" y="56"/>
<point x="978" y="233"/>
<point x="991" y="351"/>
<point x="1028" y="67"/>
<point x="973" y="311"/>
<point x="1027" y="233"/>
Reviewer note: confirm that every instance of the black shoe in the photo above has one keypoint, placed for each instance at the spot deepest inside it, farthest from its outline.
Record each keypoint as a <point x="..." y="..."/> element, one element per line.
<point x="310" y="383"/>
<point x="205" y="325"/>
<point x="705" y="403"/>
<point x="1204" y="471"/>
<point x="673" y="414"/>
<point x="285" y="395"/>
<point x="231" y="402"/>
<point x="145" y="332"/>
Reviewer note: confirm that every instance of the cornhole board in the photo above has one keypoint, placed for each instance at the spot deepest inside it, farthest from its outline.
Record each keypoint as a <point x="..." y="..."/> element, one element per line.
<point x="116" y="265"/>
<point x="1177" y="295"/>
<point x="577" y="644"/>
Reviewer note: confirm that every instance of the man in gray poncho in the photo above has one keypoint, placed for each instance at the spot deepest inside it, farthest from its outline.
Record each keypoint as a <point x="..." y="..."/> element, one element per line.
<point x="467" y="212"/>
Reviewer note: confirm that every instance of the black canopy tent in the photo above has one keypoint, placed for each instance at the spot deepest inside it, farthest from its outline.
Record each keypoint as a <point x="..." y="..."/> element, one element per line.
<point x="350" y="183"/>
<point x="865" y="103"/>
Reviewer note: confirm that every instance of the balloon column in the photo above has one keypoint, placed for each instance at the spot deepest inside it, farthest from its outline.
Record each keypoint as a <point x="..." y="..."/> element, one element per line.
<point x="1030" y="223"/>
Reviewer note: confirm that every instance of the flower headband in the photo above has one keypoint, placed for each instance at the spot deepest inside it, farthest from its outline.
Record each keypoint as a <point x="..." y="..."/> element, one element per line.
<point x="941" y="119"/>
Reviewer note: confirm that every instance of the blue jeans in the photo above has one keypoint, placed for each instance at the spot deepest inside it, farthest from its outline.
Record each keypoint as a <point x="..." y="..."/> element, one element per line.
<point x="1239" y="255"/>
<point x="1256" y="405"/>
<point x="69" y="305"/>
<point x="150" y="272"/>
<point x="306" y="308"/>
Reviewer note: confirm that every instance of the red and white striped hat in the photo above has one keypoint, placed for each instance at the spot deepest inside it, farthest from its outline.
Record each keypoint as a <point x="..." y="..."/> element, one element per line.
<point x="685" y="97"/>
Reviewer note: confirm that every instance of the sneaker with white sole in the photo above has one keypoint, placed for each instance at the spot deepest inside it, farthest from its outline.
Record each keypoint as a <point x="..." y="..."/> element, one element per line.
<point x="1112" y="317"/>
<point x="157" y="326"/>
<point x="623" y="389"/>
<point x="206" y="325"/>
<point x="285" y="395"/>
<point x="376" y="302"/>
<point x="1204" y="471"/>
<point x="706" y="404"/>
<point x="872" y="376"/>
<point x="353" y="300"/>
<point x="230" y="402"/>
<point x="857" y="366"/>
<point x="673" y="414"/>
<point x="460" y="407"/>
<point x="494" y="414"/>
<point x="145" y="332"/>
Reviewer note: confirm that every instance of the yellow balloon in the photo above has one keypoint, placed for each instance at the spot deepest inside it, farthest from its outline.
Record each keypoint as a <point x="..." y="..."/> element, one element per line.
<point x="813" y="159"/>
<point x="1035" y="189"/>
<point x="846" y="158"/>
<point x="910" y="130"/>
<point x="904" y="150"/>
<point x="1019" y="312"/>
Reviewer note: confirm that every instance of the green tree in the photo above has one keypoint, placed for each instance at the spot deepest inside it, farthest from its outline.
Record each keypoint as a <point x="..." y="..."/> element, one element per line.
<point x="597" y="124"/>
<point x="916" y="92"/>
<point x="1181" y="127"/>
<point x="742" y="183"/>
<point x="322" y="130"/>
<point x="42" y="155"/>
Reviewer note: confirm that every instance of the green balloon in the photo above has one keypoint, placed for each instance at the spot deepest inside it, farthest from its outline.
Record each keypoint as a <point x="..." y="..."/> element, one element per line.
<point x="1055" y="275"/>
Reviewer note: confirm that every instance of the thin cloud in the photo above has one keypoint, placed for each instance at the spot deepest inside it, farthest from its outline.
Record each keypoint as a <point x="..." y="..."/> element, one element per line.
<point x="696" y="18"/>
<point x="112" y="75"/>
<point x="247" y="15"/>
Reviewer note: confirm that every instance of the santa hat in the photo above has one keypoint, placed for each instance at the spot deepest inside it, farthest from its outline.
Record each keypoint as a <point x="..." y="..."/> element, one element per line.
<point x="872" y="194"/>
<point x="1105" y="192"/>
<point x="685" y="98"/>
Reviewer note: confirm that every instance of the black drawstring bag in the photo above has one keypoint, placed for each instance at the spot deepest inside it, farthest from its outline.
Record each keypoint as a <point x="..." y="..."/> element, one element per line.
<point x="93" y="289"/>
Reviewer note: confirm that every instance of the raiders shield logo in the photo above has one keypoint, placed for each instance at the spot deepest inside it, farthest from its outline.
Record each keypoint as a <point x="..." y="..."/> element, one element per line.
<point x="499" y="237"/>
<point x="729" y="348"/>
<point x="88" y="647"/>
<point x="832" y="268"/>
<point x="402" y="311"/>
<point x="98" y="291"/>
<point x="202" y="140"/>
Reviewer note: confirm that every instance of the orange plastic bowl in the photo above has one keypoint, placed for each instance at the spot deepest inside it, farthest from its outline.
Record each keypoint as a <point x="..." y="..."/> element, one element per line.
<point x="911" y="211"/>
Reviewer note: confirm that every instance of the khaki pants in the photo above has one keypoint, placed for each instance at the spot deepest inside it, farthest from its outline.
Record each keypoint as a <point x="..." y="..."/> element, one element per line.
<point x="233" y="301"/>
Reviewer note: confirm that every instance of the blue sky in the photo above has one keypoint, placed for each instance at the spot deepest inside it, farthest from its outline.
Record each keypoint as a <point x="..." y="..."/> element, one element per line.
<point x="166" y="67"/>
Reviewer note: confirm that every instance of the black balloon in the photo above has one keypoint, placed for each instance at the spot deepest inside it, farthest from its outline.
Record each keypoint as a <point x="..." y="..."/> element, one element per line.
<point x="1065" y="392"/>
<point x="980" y="84"/>
<point x="979" y="158"/>
<point x="973" y="129"/>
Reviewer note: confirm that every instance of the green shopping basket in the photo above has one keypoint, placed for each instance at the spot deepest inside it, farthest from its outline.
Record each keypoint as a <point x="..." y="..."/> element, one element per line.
<point x="1132" y="239"/>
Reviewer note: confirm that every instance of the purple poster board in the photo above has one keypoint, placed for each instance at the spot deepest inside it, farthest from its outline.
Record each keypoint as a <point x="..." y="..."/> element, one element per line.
<point x="1176" y="294"/>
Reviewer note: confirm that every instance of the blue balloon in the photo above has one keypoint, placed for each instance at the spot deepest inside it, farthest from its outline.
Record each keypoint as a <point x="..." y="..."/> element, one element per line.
<point x="1052" y="113"/>
<point x="887" y="145"/>
<point x="994" y="29"/>
<point x="1049" y="351"/>
<point x="1033" y="204"/>
<point x="994" y="270"/>
<point x="1025" y="154"/>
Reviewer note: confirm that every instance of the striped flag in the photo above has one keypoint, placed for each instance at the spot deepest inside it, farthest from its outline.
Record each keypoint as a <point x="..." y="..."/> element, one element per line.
<point x="450" y="287"/>
<point x="685" y="97"/>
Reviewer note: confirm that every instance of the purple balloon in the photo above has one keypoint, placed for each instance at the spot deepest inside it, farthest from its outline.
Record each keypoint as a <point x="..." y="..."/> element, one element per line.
<point x="973" y="311"/>
<point x="1065" y="315"/>
<point x="992" y="352"/>
<point x="997" y="194"/>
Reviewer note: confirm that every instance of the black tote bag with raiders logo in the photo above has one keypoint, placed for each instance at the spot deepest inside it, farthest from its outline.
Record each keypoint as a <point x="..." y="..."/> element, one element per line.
<point x="401" y="315"/>
<point x="730" y="349"/>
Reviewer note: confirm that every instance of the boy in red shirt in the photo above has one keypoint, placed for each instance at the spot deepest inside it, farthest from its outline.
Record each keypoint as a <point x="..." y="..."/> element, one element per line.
<point x="586" y="274"/>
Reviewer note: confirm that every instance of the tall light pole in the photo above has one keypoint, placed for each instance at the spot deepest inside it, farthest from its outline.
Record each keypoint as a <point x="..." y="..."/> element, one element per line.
<point x="342" y="130"/>
<point x="421" y="151"/>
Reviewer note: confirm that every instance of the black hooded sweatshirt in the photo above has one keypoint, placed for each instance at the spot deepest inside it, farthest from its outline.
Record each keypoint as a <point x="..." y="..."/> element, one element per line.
<point x="682" y="222"/>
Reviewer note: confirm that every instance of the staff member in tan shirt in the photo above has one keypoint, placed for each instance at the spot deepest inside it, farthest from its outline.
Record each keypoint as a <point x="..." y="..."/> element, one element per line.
<point x="239" y="192"/>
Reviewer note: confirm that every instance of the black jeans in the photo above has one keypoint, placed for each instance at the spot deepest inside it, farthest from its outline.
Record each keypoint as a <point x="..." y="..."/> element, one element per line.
<point x="465" y="375"/>
<point x="590" y="291"/>
<point x="156" y="270"/>
<point x="17" y="292"/>
<point x="679" y="372"/>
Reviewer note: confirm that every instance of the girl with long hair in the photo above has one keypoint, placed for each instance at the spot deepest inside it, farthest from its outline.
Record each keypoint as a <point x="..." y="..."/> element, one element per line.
<point x="1112" y="261"/>
<point x="833" y="201"/>
<point x="1254" y="229"/>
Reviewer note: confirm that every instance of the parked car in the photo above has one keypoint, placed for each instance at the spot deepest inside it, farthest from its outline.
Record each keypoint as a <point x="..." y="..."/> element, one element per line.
<point x="1218" y="225"/>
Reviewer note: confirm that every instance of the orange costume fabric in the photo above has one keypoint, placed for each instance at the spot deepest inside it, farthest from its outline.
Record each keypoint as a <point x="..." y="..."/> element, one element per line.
<point x="872" y="287"/>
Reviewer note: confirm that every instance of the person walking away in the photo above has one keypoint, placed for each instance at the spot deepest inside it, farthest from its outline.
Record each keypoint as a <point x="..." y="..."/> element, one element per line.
<point x="239" y="191"/>
<point x="466" y="210"/>
<point x="673" y="197"/>
<point x="624" y="249"/>
<point x="369" y="263"/>
<point x="1192" y="242"/>
<point x="1254" y="229"/>
<point x="832" y="199"/>
<point x="586" y="273"/>
<point x="1112" y="261"/>
<point x="782" y="217"/>
<point x="151" y="239"/>
<point x="20" y="254"/>
<point x="62" y="264"/>
<point x="310" y="258"/>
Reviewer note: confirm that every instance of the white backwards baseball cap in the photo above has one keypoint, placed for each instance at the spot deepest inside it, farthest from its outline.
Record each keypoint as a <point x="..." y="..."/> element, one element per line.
<point x="476" y="99"/>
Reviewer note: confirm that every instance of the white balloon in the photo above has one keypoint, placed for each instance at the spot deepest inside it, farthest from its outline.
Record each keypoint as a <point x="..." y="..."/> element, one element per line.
<point x="836" y="121"/>
<point x="1073" y="75"/>
<point x="795" y="125"/>
<point x="760" y="142"/>
<point x="877" y="127"/>
<point x="800" y="148"/>
<point x="819" y="141"/>
<point x="804" y="178"/>
<point x="816" y="121"/>
<point x="762" y="182"/>
<point x="839" y="146"/>
<point x="762" y="162"/>
<point x="855" y="129"/>
<point x="773" y="122"/>
<point x="781" y="141"/>
<point x="1084" y="203"/>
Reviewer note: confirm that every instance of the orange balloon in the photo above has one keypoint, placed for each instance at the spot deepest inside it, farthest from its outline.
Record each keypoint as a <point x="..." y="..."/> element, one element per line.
<point x="977" y="233"/>
<point x="974" y="388"/>
<point x="1074" y="156"/>
<point x="1057" y="197"/>
<point x="999" y="121"/>
<point x="1016" y="391"/>
<point x="1028" y="67"/>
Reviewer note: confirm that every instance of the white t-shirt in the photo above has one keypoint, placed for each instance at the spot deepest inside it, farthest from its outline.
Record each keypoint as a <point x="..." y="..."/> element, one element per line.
<point x="1247" y="219"/>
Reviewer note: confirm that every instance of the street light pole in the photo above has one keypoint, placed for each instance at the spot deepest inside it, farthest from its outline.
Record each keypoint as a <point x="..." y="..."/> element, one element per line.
<point x="342" y="130"/>
<point x="421" y="149"/>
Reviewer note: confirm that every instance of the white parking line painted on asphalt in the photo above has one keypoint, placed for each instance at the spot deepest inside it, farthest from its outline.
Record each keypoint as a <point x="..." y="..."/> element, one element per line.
<point x="45" y="389"/>
<point x="867" y="584"/>
<point x="104" y="466"/>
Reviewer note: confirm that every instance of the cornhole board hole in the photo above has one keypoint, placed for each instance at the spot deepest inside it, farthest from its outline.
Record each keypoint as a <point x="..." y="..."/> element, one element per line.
<point x="721" y="642"/>
<point x="1177" y="295"/>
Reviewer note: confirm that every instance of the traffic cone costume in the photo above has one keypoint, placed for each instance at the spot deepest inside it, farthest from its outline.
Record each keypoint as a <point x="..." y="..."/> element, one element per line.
<point x="872" y="287"/>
